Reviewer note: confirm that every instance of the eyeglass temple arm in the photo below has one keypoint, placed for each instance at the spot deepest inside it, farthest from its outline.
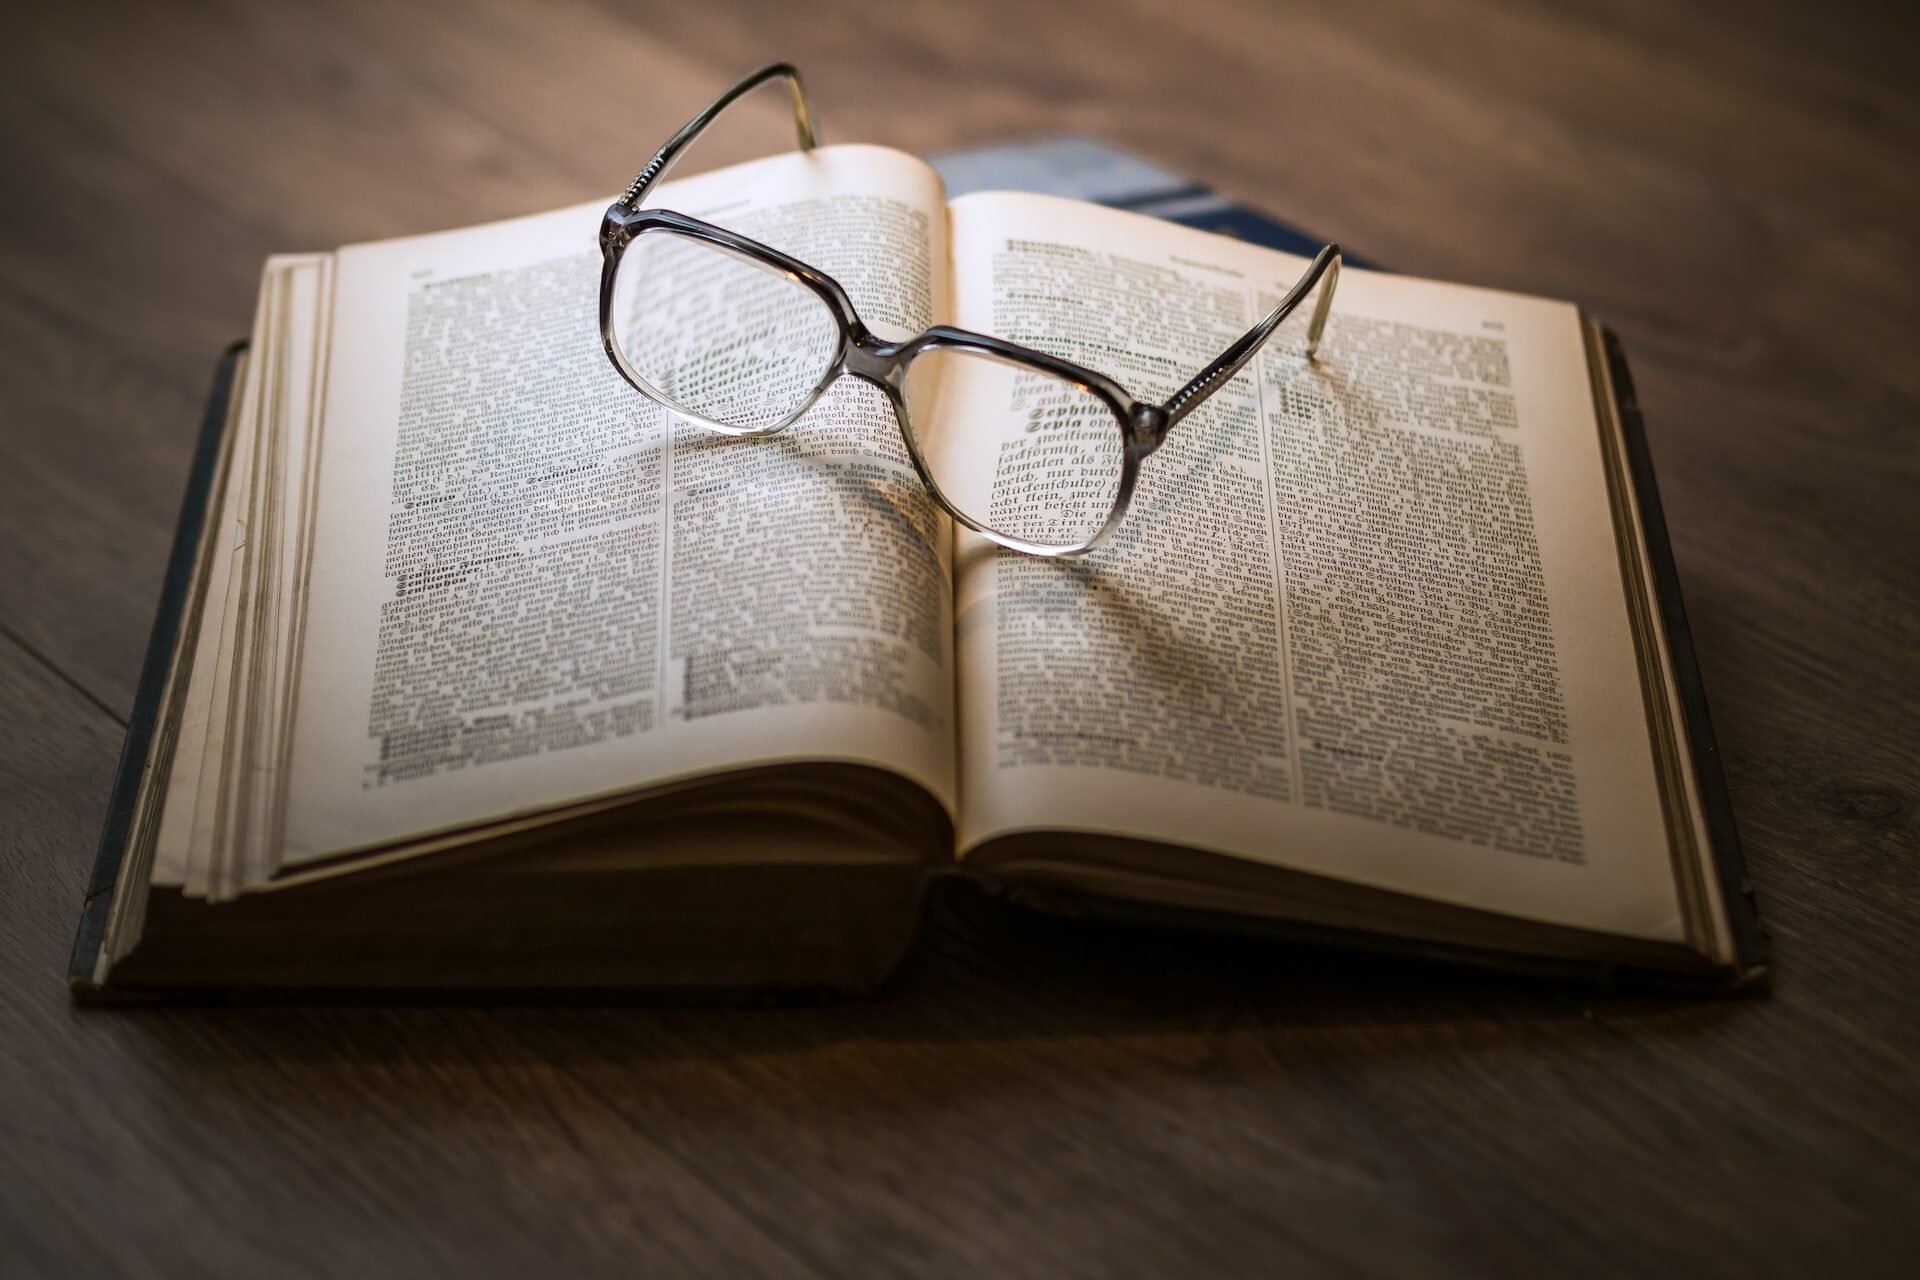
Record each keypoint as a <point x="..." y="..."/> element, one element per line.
<point x="663" y="159"/>
<point x="1210" y="379"/>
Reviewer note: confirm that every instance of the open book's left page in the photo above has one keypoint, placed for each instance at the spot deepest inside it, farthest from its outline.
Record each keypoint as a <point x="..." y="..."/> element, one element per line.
<point x="529" y="586"/>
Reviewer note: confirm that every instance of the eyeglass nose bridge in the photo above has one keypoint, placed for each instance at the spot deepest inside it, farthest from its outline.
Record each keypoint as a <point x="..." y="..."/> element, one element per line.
<point x="876" y="361"/>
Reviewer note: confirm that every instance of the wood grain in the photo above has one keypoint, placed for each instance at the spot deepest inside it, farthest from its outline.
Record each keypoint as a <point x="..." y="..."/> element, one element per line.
<point x="1731" y="185"/>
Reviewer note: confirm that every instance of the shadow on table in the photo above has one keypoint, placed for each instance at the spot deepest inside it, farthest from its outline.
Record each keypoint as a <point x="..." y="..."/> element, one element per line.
<point x="983" y="975"/>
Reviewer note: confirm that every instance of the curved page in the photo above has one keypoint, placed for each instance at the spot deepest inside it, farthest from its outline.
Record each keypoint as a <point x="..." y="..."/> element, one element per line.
<point x="529" y="587"/>
<point x="1366" y="617"/>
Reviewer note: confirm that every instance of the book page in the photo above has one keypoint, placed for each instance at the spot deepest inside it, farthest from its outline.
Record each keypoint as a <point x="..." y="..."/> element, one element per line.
<point x="1366" y="615"/>
<point x="528" y="587"/>
<point x="183" y="827"/>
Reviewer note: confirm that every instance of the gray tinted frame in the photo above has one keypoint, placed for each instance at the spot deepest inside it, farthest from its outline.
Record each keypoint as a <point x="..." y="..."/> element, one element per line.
<point x="1143" y="425"/>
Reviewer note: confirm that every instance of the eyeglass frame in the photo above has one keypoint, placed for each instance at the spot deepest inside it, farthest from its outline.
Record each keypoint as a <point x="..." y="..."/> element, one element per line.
<point x="1144" y="426"/>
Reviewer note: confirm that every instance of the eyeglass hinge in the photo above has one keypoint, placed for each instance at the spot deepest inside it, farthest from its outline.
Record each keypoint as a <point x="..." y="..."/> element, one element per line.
<point x="1150" y="424"/>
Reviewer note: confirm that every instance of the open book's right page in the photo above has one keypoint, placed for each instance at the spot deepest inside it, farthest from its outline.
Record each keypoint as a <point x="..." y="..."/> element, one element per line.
<point x="1366" y="616"/>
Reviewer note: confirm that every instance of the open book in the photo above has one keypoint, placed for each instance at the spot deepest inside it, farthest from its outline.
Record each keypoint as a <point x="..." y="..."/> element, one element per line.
<point x="487" y="673"/>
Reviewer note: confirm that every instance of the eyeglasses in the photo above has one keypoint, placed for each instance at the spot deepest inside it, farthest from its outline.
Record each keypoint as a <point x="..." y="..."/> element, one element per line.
<point x="1032" y="451"/>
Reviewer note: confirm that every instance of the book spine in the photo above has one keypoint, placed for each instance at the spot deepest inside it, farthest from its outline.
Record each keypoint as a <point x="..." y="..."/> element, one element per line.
<point x="143" y="723"/>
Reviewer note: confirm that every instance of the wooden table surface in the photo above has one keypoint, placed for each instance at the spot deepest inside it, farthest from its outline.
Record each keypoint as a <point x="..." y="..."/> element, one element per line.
<point x="1734" y="187"/>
